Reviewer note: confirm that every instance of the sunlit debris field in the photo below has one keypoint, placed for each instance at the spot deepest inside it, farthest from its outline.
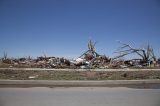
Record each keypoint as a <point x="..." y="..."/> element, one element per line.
<point x="89" y="60"/>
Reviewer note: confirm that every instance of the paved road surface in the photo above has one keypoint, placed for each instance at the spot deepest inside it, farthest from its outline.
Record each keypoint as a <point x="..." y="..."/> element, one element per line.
<point x="79" y="96"/>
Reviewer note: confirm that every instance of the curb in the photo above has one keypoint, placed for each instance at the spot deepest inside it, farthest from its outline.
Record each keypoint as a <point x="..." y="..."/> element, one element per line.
<point x="75" y="83"/>
<point x="45" y="69"/>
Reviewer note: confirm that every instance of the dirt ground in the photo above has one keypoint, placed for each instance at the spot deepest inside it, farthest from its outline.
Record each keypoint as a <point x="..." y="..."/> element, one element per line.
<point x="76" y="75"/>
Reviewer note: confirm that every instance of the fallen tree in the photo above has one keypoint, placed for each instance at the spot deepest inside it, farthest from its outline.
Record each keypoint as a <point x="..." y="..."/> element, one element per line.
<point x="146" y="54"/>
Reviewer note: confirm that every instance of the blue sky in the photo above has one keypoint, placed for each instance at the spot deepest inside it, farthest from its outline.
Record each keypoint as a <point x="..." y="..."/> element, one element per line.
<point x="63" y="27"/>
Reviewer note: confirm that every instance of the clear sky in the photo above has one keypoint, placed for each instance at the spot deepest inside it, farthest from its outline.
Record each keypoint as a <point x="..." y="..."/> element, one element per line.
<point x="63" y="27"/>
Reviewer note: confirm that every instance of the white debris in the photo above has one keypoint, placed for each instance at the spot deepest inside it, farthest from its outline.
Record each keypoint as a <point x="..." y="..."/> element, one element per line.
<point x="32" y="77"/>
<point x="78" y="60"/>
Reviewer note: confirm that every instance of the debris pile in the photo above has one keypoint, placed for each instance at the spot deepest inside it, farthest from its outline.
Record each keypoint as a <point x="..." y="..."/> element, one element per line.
<point x="89" y="59"/>
<point x="147" y="57"/>
<point x="39" y="62"/>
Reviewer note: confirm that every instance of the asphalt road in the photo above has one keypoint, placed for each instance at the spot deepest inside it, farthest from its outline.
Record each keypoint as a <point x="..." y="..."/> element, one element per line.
<point x="79" y="96"/>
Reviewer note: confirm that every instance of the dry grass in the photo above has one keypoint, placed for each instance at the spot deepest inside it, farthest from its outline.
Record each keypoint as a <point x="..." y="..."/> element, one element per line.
<point x="77" y="75"/>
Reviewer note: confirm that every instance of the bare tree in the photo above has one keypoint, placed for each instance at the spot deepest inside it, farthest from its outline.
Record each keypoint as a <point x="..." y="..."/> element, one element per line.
<point x="91" y="49"/>
<point x="91" y="46"/>
<point x="146" y="54"/>
<point x="5" y="55"/>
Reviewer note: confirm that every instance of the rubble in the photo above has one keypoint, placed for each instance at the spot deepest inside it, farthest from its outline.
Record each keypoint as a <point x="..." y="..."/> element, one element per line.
<point x="158" y="61"/>
<point x="146" y="54"/>
<point x="88" y="60"/>
<point x="91" y="59"/>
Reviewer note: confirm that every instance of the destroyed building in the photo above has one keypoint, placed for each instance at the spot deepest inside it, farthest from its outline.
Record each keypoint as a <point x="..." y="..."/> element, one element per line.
<point x="90" y="59"/>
